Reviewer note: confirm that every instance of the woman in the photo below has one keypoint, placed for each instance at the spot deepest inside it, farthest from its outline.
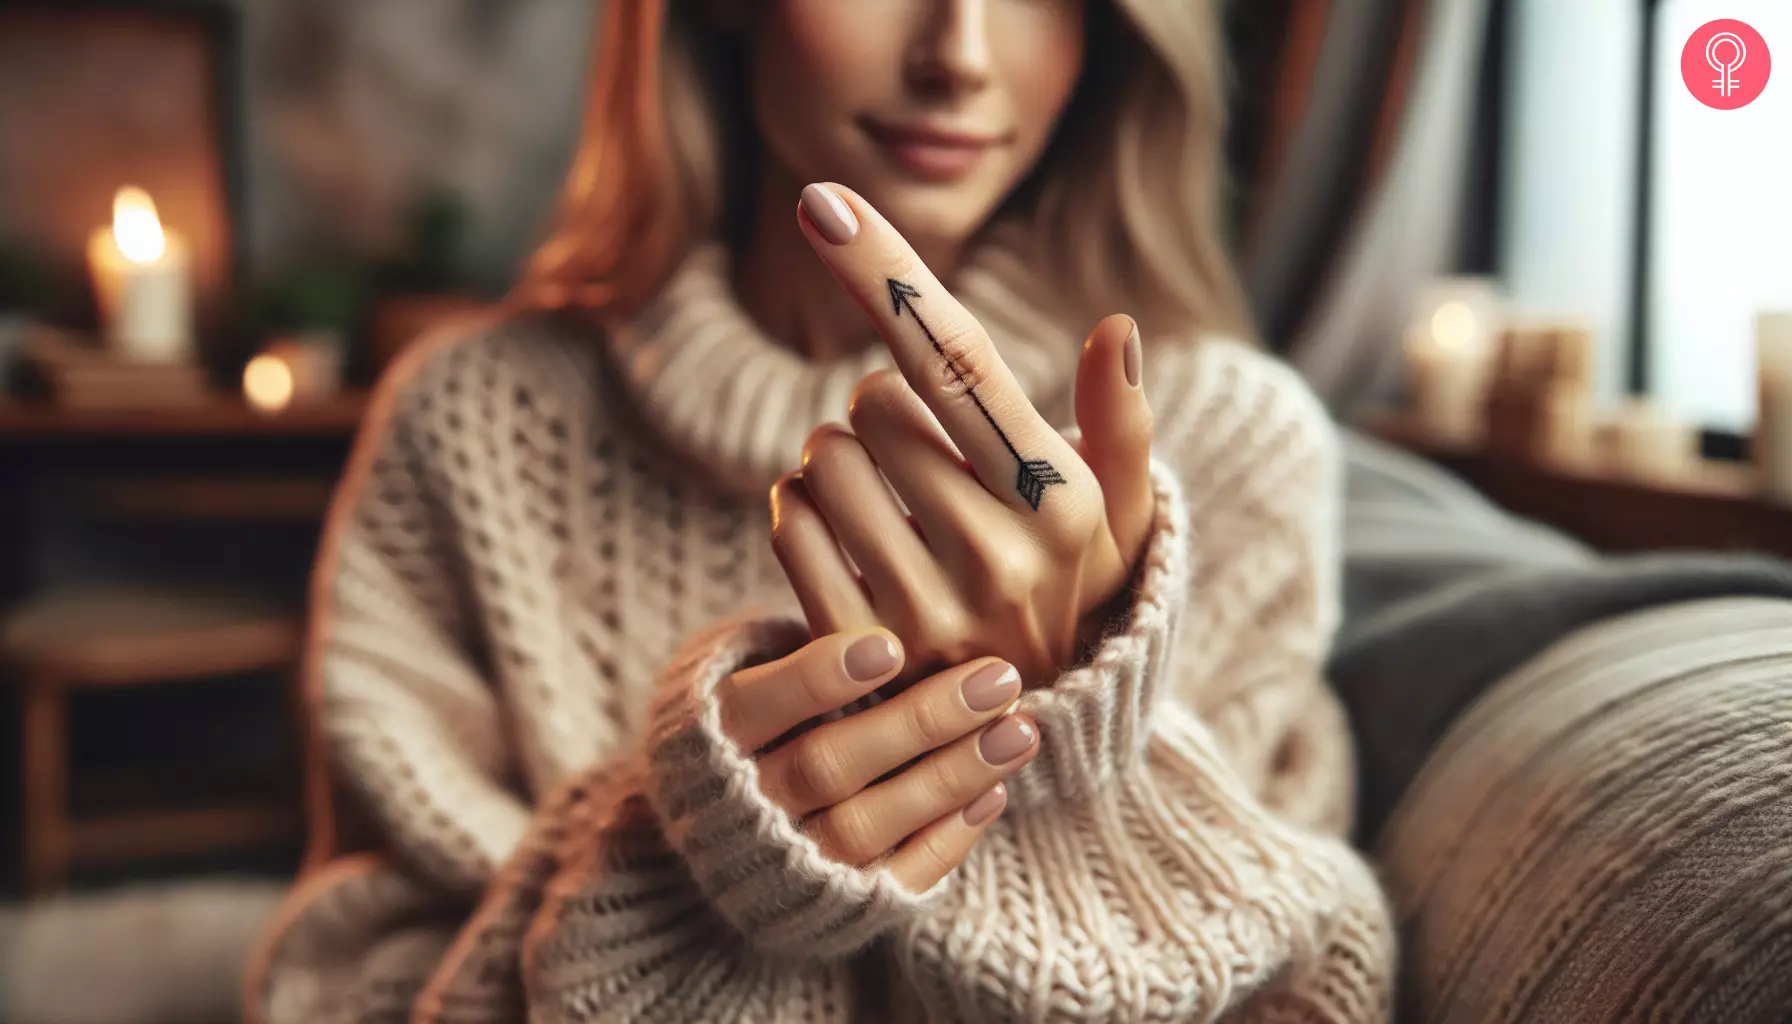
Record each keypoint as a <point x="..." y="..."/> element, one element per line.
<point x="1052" y="743"/>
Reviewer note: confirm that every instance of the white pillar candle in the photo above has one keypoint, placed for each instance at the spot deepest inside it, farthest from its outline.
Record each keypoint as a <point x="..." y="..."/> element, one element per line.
<point x="1449" y="356"/>
<point x="1644" y="441"/>
<point x="142" y="274"/>
<point x="1464" y="308"/>
<point x="1773" y="422"/>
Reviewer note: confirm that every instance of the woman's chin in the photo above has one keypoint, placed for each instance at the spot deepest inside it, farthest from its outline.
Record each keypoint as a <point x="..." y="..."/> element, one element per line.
<point x="932" y="215"/>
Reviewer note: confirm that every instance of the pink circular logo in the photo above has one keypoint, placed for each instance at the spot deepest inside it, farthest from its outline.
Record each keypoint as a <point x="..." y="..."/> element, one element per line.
<point x="1726" y="64"/>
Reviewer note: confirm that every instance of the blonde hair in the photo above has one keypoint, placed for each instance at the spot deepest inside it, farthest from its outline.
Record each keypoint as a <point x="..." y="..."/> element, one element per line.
<point x="1126" y="205"/>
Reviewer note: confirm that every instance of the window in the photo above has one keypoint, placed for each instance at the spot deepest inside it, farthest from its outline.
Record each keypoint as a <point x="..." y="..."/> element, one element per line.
<point x="1569" y="171"/>
<point x="1719" y="219"/>
<point x="1626" y="203"/>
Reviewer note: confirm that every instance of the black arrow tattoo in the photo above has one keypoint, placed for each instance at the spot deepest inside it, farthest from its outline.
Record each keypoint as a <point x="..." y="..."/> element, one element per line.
<point x="1034" y="475"/>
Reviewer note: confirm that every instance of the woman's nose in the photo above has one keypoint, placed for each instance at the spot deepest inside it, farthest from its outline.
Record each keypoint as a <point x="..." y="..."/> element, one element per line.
<point x="954" y="52"/>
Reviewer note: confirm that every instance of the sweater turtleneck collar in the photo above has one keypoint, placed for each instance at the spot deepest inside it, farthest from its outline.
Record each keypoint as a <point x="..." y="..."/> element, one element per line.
<point x="710" y="382"/>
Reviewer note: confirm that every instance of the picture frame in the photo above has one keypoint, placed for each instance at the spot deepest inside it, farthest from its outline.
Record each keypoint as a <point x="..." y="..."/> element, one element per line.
<point x="99" y="94"/>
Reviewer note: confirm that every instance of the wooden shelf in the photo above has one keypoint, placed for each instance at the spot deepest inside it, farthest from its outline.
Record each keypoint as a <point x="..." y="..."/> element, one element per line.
<point x="145" y="835"/>
<point x="224" y="416"/>
<point x="1715" y="506"/>
<point x="239" y="499"/>
<point x="128" y="636"/>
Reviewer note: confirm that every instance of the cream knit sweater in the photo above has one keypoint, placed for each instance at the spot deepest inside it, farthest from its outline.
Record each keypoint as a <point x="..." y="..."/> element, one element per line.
<point x="550" y="550"/>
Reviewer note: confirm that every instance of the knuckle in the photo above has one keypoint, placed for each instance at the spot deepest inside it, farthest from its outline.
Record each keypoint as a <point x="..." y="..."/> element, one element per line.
<point x="1009" y="571"/>
<point x="850" y="831"/>
<point x="1007" y="605"/>
<point x="819" y="774"/>
<point x="1008" y="583"/>
<point x="931" y="718"/>
<point x="935" y="853"/>
<point x="964" y="358"/>
<point x="1071" y="525"/>
<point x="944" y="633"/>
<point x="939" y="785"/>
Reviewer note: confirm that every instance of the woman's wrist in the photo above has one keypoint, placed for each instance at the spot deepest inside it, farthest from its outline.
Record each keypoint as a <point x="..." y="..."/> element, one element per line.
<point x="1096" y="717"/>
<point x="1101" y="621"/>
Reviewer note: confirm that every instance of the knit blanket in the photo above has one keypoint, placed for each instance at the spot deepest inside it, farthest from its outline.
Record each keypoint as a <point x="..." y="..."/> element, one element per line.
<point x="1445" y="595"/>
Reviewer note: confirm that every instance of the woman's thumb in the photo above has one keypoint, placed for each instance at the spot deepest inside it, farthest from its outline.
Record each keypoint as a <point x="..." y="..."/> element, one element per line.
<point x="1117" y="424"/>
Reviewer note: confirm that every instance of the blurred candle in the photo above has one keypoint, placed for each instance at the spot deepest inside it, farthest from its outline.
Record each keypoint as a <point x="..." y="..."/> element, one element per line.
<point x="1567" y="428"/>
<point x="1773" y="423"/>
<point x="294" y="370"/>
<point x="1449" y="354"/>
<point x="142" y="275"/>
<point x="1646" y="442"/>
<point x="267" y="383"/>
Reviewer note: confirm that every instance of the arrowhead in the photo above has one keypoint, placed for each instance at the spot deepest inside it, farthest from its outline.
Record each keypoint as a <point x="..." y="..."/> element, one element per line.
<point x="900" y="294"/>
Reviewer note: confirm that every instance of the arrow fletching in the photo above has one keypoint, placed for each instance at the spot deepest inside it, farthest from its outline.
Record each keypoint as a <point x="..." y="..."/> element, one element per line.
<point x="1032" y="480"/>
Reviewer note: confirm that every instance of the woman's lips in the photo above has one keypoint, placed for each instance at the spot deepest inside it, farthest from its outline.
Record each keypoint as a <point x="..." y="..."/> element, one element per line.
<point x="931" y="154"/>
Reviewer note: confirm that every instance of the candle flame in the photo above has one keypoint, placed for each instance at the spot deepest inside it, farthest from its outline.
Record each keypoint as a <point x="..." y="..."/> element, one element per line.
<point x="1453" y="325"/>
<point x="267" y="382"/>
<point x="137" y="227"/>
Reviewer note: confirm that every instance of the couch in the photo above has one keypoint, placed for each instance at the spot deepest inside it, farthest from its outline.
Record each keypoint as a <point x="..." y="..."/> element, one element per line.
<point x="1577" y="771"/>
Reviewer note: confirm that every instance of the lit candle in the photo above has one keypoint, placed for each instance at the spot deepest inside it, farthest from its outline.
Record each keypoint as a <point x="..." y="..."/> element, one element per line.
<point x="1773" y="422"/>
<point x="142" y="275"/>
<point x="267" y="383"/>
<point x="295" y="370"/>
<point x="1449" y="350"/>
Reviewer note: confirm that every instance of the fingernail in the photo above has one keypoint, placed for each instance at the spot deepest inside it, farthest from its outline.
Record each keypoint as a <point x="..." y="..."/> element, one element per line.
<point x="870" y="658"/>
<point x="830" y="214"/>
<point x="986" y="806"/>
<point x="991" y="686"/>
<point x="1134" y="356"/>
<point x="1007" y="740"/>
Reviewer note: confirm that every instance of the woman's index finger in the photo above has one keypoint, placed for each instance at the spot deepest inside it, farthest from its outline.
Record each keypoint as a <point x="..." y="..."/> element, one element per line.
<point x="941" y="349"/>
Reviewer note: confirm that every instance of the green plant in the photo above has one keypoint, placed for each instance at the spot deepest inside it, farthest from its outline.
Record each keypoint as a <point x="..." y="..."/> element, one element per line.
<point x="435" y="232"/>
<point x="24" y="278"/>
<point x="316" y="296"/>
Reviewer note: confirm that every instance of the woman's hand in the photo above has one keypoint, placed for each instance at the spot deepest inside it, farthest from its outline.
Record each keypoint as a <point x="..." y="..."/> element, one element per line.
<point x="832" y="777"/>
<point x="1020" y="538"/>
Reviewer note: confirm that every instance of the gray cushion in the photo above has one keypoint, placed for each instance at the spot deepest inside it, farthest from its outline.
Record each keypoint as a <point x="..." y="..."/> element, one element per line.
<point x="1607" y="834"/>
<point x="1411" y="528"/>
<point x="1446" y="594"/>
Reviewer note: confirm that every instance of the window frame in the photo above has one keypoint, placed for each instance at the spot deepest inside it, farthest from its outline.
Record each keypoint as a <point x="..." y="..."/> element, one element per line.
<point x="1714" y="442"/>
<point x="1636" y="369"/>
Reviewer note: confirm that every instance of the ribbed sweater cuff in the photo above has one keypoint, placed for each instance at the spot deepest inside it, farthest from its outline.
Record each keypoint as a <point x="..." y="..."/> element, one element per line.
<point x="1095" y="719"/>
<point x="762" y="874"/>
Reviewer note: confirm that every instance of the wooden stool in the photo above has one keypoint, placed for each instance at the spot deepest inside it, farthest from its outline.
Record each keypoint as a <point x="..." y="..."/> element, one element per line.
<point x="132" y="637"/>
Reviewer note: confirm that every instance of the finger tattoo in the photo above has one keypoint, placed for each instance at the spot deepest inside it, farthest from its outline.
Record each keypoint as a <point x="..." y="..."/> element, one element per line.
<point x="1033" y="475"/>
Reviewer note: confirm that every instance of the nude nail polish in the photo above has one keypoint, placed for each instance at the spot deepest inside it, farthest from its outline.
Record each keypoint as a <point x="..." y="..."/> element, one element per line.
<point x="1135" y="356"/>
<point x="991" y="686"/>
<point x="1006" y="741"/>
<point x="986" y="806"/>
<point x="870" y="658"/>
<point x="830" y="214"/>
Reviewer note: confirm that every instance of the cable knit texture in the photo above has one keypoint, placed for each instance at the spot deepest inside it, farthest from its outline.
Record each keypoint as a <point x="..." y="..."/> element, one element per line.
<point x="552" y="546"/>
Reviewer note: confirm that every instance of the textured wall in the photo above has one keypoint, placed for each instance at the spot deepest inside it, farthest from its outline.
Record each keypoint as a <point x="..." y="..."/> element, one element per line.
<point x="356" y="108"/>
